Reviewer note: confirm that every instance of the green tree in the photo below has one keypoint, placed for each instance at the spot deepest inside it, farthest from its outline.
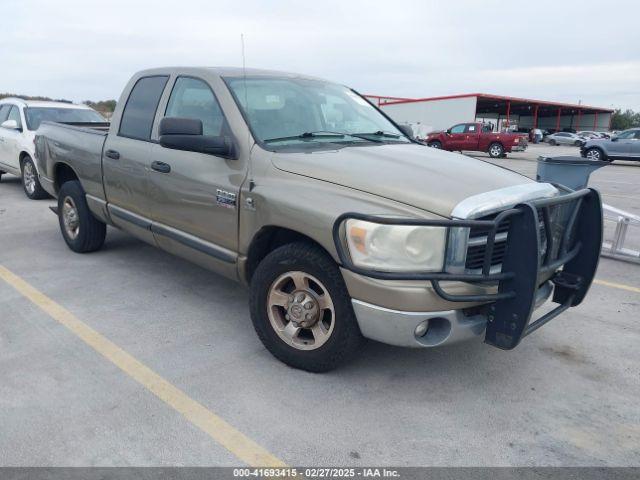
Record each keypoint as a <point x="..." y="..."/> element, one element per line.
<point x="102" y="106"/>
<point x="623" y="120"/>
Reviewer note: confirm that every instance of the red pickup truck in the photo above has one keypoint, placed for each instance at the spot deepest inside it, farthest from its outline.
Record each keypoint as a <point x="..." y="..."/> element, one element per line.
<point x="477" y="137"/>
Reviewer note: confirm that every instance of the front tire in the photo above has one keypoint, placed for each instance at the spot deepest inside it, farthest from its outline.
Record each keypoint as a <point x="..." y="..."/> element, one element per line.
<point x="301" y="310"/>
<point x="496" y="150"/>
<point x="594" y="153"/>
<point x="552" y="142"/>
<point x="31" y="182"/>
<point x="435" y="144"/>
<point x="80" y="229"/>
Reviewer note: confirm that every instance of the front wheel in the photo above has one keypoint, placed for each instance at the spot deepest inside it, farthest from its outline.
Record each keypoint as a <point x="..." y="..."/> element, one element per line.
<point x="553" y="142"/>
<point x="595" y="154"/>
<point x="496" y="150"/>
<point x="31" y="182"/>
<point x="80" y="229"/>
<point x="301" y="310"/>
<point x="435" y="144"/>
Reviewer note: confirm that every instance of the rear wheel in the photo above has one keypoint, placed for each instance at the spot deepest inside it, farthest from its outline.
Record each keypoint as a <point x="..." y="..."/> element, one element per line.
<point x="435" y="144"/>
<point x="80" y="229"/>
<point x="1" y="173"/>
<point x="31" y="182"/>
<point x="301" y="309"/>
<point x="496" y="150"/>
<point x="577" y="143"/>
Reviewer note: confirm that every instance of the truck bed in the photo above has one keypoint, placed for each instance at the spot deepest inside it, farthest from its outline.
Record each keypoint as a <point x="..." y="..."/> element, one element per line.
<point x="77" y="145"/>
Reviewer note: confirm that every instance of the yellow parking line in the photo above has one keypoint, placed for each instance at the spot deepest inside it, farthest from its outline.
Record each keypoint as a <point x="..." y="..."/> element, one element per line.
<point x="620" y="286"/>
<point x="218" y="429"/>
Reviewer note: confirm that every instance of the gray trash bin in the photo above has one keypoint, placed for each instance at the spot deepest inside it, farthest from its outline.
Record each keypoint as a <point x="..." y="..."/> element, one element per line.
<point x="570" y="171"/>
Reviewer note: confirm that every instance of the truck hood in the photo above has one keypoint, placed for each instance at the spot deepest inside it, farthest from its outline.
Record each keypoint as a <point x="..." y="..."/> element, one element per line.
<point x="423" y="177"/>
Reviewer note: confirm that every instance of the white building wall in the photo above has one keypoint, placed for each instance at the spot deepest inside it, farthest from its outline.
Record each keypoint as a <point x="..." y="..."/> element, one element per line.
<point x="433" y="114"/>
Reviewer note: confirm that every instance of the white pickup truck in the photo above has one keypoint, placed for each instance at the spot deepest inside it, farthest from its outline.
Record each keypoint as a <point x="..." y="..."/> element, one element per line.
<point x="19" y="120"/>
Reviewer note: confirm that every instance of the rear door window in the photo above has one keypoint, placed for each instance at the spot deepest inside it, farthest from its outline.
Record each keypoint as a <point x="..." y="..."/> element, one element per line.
<point x="140" y="110"/>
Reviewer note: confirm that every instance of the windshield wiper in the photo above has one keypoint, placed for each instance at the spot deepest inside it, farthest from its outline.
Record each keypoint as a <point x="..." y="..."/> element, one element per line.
<point x="309" y="136"/>
<point x="306" y="136"/>
<point x="381" y="133"/>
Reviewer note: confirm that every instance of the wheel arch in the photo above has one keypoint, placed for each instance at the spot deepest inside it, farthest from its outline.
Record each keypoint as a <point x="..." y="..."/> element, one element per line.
<point x="24" y="154"/>
<point x="266" y="240"/>
<point x="62" y="173"/>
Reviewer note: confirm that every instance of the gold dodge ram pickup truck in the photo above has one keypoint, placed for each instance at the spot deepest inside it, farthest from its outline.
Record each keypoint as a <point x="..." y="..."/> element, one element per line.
<point x="342" y="226"/>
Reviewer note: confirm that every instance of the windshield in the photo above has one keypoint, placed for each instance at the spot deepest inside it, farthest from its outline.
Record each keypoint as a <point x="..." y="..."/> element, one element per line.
<point x="285" y="112"/>
<point x="36" y="115"/>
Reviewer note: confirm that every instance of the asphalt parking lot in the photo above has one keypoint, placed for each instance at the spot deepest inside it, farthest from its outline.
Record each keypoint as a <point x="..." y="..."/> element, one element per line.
<point x="567" y="396"/>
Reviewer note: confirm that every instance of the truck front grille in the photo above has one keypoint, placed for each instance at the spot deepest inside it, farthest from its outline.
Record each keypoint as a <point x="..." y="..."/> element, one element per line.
<point x="477" y="244"/>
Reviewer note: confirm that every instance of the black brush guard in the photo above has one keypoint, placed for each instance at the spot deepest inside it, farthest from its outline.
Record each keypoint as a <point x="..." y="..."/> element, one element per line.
<point x="524" y="265"/>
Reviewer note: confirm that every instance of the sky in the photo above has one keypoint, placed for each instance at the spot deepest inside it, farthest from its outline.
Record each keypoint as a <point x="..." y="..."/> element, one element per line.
<point x="572" y="51"/>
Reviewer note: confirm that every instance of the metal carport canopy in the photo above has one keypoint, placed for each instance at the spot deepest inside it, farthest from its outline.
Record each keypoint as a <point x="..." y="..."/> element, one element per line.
<point x="509" y="108"/>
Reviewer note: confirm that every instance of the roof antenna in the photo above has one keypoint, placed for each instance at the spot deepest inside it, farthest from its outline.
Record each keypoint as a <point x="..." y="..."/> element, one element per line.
<point x="246" y="106"/>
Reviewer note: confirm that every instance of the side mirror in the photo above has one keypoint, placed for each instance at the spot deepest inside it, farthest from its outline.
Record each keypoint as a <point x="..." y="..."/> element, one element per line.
<point x="186" y="134"/>
<point x="614" y="139"/>
<point x="448" y="131"/>
<point x="407" y="130"/>
<point x="10" y="124"/>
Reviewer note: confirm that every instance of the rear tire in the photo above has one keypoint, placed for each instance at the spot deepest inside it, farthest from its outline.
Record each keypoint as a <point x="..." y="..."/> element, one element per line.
<point x="1" y="173"/>
<point x="300" y="281"/>
<point x="80" y="229"/>
<point x="496" y="150"/>
<point x="435" y="144"/>
<point x="30" y="180"/>
<point x="577" y="143"/>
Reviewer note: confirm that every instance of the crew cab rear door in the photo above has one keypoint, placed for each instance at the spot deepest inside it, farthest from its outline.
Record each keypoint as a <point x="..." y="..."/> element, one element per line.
<point x="127" y="154"/>
<point x="471" y="138"/>
<point x="194" y="195"/>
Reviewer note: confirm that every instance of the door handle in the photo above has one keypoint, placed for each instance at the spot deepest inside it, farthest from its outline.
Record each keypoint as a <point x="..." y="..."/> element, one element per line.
<point x="112" y="154"/>
<point x="161" y="167"/>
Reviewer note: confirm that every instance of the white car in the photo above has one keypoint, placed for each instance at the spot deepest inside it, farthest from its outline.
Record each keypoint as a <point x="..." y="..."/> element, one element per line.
<point x="565" y="138"/>
<point x="19" y="120"/>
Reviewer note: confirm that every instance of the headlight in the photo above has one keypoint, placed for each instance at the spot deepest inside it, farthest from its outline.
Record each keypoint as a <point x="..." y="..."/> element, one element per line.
<point x="396" y="248"/>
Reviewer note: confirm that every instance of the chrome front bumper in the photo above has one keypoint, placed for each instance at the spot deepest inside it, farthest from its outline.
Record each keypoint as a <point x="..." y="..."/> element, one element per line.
<point x="396" y="327"/>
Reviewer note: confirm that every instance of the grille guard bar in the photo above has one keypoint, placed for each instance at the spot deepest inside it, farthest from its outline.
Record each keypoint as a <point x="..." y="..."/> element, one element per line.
<point x="523" y="266"/>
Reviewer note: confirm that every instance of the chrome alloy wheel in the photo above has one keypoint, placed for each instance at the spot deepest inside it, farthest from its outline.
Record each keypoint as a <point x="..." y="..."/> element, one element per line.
<point x="495" y="150"/>
<point x="29" y="178"/>
<point x="300" y="310"/>
<point x="70" y="218"/>
<point x="593" y="154"/>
